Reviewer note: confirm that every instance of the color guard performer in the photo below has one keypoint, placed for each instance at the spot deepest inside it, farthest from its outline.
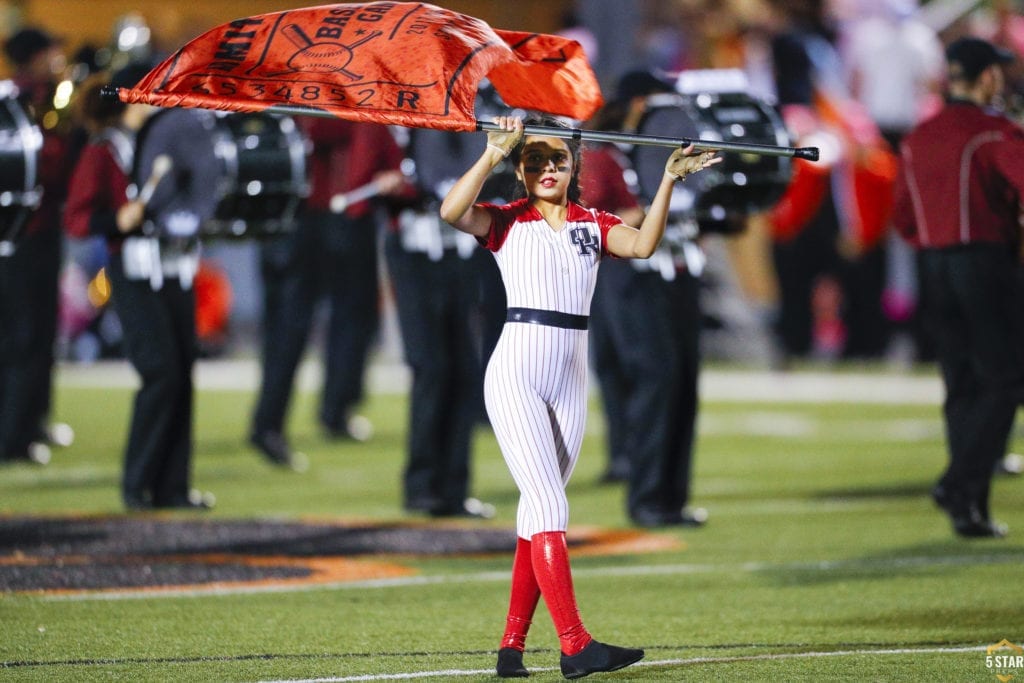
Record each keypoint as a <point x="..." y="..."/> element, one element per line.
<point x="548" y="248"/>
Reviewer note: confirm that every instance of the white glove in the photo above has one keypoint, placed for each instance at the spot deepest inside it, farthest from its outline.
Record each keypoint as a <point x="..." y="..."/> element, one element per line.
<point x="507" y="139"/>
<point x="685" y="161"/>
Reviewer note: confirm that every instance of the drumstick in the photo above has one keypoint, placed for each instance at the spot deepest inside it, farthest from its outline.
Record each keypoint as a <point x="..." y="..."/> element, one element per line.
<point x="343" y="200"/>
<point x="161" y="166"/>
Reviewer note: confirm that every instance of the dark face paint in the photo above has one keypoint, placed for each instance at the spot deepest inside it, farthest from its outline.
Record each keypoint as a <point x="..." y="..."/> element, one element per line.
<point x="539" y="156"/>
<point x="538" y="169"/>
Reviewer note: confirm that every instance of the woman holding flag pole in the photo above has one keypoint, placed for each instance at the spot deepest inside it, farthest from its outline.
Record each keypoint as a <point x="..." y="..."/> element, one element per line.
<point x="548" y="248"/>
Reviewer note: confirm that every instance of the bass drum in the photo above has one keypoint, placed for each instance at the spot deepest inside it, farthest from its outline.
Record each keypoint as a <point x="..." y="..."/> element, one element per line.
<point x="720" y="197"/>
<point x="264" y="162"/>
<point x="20" y="145"/>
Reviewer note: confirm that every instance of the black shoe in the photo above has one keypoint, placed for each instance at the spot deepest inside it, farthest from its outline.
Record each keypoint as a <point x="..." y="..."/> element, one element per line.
<point x="471" y="507"/>
<point x="136" y="502"/>
<point x="58" y="434"/>
<point x="36" y="452"/>
<point x="967" y="517"/>
<point x="356" y="428"/>
<point x="651" y="518"/>
<point x="696" y="517"/>
<point x="1011" y="465"/>
<point x="276" y="450"/>
<point x="693" y="517"/>
<point x="195" y="500"/>
<point x="979" y="528"/>
<point x="597" y="657"/>
<point x="510" y="663"/>
<point x="421" y="504"/>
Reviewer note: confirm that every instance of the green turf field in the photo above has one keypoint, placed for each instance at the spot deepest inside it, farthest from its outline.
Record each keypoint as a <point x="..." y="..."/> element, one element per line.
<point x="824" y="559"/>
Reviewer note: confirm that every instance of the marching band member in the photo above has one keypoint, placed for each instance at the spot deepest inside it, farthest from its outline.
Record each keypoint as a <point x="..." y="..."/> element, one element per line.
<point x="150" y="278"/>
<point x="29" y="277"/>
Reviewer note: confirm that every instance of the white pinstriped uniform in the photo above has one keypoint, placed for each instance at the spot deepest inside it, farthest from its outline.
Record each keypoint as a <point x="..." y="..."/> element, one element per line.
<point x="535" y="387"/>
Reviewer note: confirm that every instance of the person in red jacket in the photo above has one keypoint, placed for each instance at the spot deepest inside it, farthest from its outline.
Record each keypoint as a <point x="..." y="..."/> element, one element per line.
<point x="958" y="200"/>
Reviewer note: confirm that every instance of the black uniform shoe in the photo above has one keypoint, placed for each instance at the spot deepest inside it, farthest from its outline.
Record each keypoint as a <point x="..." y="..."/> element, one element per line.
<point x="510" y="663"/>
<point x="425" y="504"/>
<point x="967" y="517"/>
<point x="195" y="500"/>
<point x="651" y="518"/>
<point x="693" y="517"/>
<point x="276" y="450"/>
<point x="136" y="502"/>
<point x="1011" y="465"/>
<point x="597" y="657"/>
<point x="471" y="507"/>
<point x="356" y="428"/>
<point x="696" y="517"/>
<point x="36" y="452"/>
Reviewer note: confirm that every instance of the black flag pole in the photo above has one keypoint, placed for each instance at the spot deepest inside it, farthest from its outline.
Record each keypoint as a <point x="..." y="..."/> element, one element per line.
<point x="808" y="153"/>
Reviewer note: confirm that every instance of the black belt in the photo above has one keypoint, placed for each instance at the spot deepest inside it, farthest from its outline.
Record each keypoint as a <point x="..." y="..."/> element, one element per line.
<point x="567" y="321"/>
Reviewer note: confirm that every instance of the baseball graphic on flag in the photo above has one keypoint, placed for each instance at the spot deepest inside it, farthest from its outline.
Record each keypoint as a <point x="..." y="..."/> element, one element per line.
<point x="322" y="57"/>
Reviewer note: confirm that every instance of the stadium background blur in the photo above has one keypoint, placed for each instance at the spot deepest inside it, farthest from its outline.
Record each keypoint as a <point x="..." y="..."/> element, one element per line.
<point x="621" y="35"/>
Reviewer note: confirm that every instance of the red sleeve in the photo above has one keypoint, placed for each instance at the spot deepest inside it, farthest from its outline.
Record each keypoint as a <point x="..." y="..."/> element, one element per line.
<point x="373" y="150"/>
<point x="97" y="190"/>
<point x="326" y="131"/>
<point x="605" y="222"/>
<point x="502" y="218"/>
<point x="1008" y="159"/>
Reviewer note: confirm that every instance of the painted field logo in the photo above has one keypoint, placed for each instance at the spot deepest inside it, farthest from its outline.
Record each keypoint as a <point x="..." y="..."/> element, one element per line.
<point x="1005" y="660"/>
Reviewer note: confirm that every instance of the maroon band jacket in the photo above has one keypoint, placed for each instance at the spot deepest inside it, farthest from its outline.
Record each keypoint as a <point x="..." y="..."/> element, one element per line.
<point x="961" y="179"/>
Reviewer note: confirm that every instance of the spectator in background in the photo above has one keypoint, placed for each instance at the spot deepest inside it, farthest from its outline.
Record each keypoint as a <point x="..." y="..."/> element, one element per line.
<point x="330" y="256"/>
<point x="804" y="250"/>
<point x="29" y="277"/>
<point x="829" y="227"/>
<point x="958" y="203"/>
<point x="896" y="68"/>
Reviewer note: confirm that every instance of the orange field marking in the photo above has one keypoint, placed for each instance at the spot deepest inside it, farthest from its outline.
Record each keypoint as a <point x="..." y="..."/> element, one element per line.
<point x="327" y="569"/>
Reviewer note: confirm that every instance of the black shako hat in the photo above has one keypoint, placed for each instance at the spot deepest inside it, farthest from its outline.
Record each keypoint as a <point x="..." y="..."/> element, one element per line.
<point x="968" y="57"/>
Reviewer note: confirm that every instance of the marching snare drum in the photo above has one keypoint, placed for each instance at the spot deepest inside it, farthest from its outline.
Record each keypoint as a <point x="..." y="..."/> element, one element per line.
<point x="721" y="196"/>
<point x="264" y="160"/>
<point x="20" y="145"/>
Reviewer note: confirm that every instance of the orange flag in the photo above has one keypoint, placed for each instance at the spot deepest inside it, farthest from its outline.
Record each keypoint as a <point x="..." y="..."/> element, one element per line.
<point x="403" y="63"/>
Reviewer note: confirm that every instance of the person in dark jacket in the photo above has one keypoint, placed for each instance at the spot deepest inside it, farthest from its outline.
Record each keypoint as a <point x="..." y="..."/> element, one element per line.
<point x="331" y="255"/>
<point x="29" y="276"/>
<point x="645" y="331"/>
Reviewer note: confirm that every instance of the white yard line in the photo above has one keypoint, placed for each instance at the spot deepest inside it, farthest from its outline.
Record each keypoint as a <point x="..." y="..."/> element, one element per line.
<point x="388" y="377"/>
<point x="768" y="656"/>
